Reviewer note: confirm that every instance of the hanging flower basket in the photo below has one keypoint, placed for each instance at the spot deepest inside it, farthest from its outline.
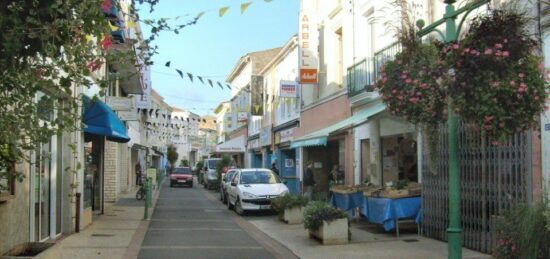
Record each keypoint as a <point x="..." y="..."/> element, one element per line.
<point x="410" y="85"/>
<point x="497" y="81"/>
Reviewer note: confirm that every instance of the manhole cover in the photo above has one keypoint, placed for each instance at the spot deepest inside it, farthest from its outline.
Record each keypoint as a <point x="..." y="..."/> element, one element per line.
<point x="410" y="240"/>
<point x="103" y="235"/>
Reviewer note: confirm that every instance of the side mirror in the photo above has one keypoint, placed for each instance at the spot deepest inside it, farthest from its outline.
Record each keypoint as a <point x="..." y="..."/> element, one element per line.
<point x="233" y="184"/>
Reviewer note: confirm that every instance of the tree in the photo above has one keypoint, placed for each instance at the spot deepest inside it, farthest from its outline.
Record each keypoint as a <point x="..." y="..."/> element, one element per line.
<point x="172" y="156"/>
<point x="52" y="48"/>
<point x="224" y="163"/>
<point x="184" y="162"/>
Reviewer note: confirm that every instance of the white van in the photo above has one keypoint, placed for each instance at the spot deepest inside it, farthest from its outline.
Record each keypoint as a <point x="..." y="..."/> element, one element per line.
<point x="210" y="176"/>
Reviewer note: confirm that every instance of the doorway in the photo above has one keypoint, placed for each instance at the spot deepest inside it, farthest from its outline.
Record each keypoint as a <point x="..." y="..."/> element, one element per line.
<point x="365" y="160"/>
<point x="41" y="192"/>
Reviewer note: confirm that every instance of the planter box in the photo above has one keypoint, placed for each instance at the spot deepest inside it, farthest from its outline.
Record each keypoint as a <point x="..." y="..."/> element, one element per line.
<point x="33" y="250"/>
<point x="294" y="215"/>
<point x="333" y="233"/>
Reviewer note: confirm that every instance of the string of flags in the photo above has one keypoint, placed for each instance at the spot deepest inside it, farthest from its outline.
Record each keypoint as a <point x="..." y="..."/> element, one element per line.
<point x="191" y="77"/>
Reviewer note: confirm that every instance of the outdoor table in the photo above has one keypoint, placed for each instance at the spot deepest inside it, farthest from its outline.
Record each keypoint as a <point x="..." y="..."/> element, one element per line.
<point x="347" y="201"/>
<point x="388" y="211"/>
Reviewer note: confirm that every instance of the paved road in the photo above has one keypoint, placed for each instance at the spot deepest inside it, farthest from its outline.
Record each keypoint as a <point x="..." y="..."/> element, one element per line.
<point x="191" y="223"/>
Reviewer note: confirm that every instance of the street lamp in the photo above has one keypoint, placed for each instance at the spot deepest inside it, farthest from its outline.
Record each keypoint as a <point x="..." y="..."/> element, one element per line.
<point x="454" y="232"/>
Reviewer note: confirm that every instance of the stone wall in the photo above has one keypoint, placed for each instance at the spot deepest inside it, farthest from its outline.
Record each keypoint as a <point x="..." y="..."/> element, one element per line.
<point x="110" y="171"/>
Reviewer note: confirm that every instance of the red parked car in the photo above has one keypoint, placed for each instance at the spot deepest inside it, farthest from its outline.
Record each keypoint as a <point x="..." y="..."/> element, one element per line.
<point x="181" y="176"/>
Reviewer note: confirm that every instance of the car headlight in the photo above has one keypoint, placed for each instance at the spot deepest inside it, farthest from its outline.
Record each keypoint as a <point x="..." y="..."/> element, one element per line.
<point x="248" y="195"/>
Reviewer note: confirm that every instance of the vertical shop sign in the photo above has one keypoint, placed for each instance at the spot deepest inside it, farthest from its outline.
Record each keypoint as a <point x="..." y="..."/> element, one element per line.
<point x="257" y="101"/>
<point x="308" y="40"/>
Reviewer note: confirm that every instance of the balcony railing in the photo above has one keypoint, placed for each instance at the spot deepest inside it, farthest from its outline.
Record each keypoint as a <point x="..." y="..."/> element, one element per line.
<point x="363" y="74"/>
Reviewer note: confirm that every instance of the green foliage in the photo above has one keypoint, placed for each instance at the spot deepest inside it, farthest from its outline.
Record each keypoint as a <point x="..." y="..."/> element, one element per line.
<point x="224" y="162"/>
<point x="522" y="233"/>
<point x="288" y="201"/>
<point x="316" y="212"/>
<point x="184" y="162"/>
<point x="172" y="156"/>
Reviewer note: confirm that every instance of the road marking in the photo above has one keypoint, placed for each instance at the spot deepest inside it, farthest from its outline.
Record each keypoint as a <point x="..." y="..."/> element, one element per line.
<point x="195" y="229"/>
<point x="204" y="247"/>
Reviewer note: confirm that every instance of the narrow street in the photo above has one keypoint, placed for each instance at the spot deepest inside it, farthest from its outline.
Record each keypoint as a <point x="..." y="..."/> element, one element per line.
<point x="190" y="223"/>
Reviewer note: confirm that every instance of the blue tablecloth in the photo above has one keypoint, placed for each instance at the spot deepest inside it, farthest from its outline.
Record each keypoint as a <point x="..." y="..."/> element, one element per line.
<point x="347" y="202"/>
<point x="385" y="211"/>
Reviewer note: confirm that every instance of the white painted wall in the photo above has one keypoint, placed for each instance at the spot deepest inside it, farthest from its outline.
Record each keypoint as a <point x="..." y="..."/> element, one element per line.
<point x="545" y="126"/>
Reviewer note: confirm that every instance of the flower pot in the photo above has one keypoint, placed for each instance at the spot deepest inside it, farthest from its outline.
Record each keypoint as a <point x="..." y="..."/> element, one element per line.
<point x="332" y="233"/>
<point x="33" y="250"/>
<point x="294" y="215"/>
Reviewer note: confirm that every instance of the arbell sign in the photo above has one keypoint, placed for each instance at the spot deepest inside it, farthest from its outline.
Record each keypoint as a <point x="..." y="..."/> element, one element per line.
<point x="308" y="39"/>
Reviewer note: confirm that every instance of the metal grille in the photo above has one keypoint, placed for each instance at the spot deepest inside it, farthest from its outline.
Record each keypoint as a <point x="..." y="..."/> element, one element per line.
<point x="493" y="178"/>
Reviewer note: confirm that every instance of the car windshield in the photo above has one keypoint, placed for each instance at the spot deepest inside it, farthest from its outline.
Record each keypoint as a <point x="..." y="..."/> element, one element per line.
<point x="259" y="177"/>
<point x="184" y="170"/>
<point x="212" y="164"/>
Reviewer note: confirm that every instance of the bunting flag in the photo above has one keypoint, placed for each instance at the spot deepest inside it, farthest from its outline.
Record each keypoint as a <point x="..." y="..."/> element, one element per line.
<point x="88" y="38"/>
<point x="220" y="85"/>
<point x="190" y="77"/>
<point x="223" y="10"/>
<point x="167" y="64"/>
<point x="245" y="6"/>
<point x="113" y="28"/>
<point x="131" y="24"/>
<point x="199" y="15"/>
<point x="210" y="82"/>
<point x="179" y="72"/>
<point x="200" y="78"/>
<point x="228" y="86"/>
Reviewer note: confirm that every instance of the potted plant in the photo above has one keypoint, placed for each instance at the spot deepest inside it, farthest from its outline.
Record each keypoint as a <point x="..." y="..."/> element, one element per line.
<point x="326" y="223"/>
<point x="290" y="208"/>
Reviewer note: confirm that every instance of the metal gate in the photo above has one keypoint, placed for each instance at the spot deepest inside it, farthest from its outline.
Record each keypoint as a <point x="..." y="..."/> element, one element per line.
<point x="493" y="178"/>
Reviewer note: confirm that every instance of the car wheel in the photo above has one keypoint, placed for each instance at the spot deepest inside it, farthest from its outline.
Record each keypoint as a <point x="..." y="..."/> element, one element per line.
<point x="239" y="207"/>
<point x="221" y="195"/>
<point x="229" y="206"/>
<point x="171" y="184"/>
<point x="191" y="186"/>
<point x="224" y="201"/>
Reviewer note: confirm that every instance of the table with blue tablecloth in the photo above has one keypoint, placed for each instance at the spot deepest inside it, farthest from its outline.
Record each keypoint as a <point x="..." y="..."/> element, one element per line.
<point x="347" y="201"/>
<point x="386" y="211"/>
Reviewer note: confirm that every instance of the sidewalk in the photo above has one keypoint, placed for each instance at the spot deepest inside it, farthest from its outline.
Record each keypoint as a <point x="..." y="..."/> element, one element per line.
<point x="116" y="234"/>
<point x="364" y="244"/>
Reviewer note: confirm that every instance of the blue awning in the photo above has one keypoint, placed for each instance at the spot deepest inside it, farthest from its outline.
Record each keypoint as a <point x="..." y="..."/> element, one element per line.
<point x="319" y="138"/>
<point x="99" y="119"/>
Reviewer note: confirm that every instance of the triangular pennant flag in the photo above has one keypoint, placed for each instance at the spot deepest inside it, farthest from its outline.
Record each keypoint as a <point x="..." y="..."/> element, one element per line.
<point x="179" y="72"/>
<point x="287" y="101"/>
<point x="88" y="38"/>
<point x="167" y="64"/>
<point x="190" y="77"/>
<point x="131" y="24"/>
<point x="268" y="0"/>
<point x="244" y="6"/>
<point x="210" y="82"/>
<point x="199" y="15"/>
<point x="200" y="78"/>
<point x="223" y="10"/>
<point x="113" y="28"/>
<point x="228" y="86"/>
<point x="220" y="85"/>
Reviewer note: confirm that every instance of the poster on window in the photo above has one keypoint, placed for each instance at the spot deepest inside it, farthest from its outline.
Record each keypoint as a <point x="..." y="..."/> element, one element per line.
<point x="289" y="163"/>
<point x="256" y="92"/>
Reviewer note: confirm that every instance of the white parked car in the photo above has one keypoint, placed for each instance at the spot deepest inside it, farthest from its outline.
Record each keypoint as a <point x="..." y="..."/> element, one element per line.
<point x="253" y="189"/>
<point x="225" y="184"/>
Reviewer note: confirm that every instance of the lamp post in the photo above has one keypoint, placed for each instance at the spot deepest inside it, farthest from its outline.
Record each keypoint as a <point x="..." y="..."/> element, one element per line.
<point x="454" y="232"/>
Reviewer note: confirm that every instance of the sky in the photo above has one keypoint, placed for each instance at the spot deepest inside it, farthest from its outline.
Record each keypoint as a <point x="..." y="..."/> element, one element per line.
<point x="212" y="47"/>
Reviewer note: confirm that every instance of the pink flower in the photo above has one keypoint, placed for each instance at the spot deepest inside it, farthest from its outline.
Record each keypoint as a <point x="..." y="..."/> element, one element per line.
<point x="404" y="76"/>
<point x="408" y="81"/>
<point x="541" y="66"/>
<point x="495" y="84"/>
<point x="537" y="97"/>
<point x="513" y="82"/>
<point x="393" y="91"/>
<point x="488" y="51"/>
<point x="413" y="100"/>
<point x="505" y="53"/>
<point x="467" y="50"/>
<point x="455" y="46"/>
<point x="521" y="75"/>
<point x="498" y="46"/>
<point x="399" y="62"/>
<point x="106" y="42"/>
<point x="106" y="6"/>
<point x="418" y="94"/>
<point x="400" y="98"/>
<point x="488" y="118"/>
<point x="494" y="143"/>
<point x="505" y="41"/>
<point x="424" y="85"/>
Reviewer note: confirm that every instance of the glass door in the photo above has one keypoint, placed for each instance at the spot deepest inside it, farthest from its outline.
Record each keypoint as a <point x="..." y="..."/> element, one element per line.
<point x="42" y="185"/>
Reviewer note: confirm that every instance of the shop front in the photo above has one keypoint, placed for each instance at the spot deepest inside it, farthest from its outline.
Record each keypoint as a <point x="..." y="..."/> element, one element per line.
<point x="254" y="153"/>
<point x="234" y="148"/>
<point x="100" y="124"/>
<point x="265" y="143"/>
<point x="286" y="158"/>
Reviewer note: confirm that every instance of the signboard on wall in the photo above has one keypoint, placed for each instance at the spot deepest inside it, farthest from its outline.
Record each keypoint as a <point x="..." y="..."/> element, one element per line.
<point x="256" y="95"/>
<point x="253" y="144"/>
<point x="120" y="103"/>
<point x="288" y="89"/>
<point x="308" y="40"/>
<point x="242" y="116"/>
<point x="286" y="135"/>
<point x="131" y="115"/>
<point x="265" y="136"/>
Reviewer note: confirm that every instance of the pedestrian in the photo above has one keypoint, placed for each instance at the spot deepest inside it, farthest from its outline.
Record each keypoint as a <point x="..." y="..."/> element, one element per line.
<point x="334" y="174"/>
<point x="274" y="168"/>
<point x="309" y="181"/>
<point x="138" y="173"/>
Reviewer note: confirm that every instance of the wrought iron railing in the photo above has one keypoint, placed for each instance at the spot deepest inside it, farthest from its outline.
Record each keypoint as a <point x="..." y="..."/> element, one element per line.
<point x="363" y="74"/>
